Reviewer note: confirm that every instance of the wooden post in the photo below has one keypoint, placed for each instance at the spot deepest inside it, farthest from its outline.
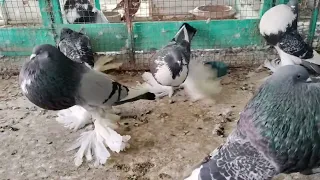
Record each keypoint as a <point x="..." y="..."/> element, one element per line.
<point x="130" y="44"/>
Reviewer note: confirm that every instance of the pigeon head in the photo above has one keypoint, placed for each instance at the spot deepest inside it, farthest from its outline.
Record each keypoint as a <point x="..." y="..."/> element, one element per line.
<point x="291" y="74"/>
<point x="69" y="33"/>
<point x="43" y="51"/>
<point x="65" y="32"/>
<point x="293" y="3"/>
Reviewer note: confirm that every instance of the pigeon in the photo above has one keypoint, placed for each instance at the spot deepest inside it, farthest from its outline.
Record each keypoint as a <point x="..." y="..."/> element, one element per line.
<point x="77" y="46"/>
<point x="134" y="6"/>
<point x="171" y="68"/>
<point x="82" y="12"/>
<point x="277" y="132"/>
<point x="278" y="26"/>
<point x="52" y="81"/>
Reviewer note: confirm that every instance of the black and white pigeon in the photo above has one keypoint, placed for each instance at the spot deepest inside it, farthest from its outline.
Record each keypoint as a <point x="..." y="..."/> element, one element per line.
<point x="77" y="46"/>
<point x="278" y="26"/>
<point x="278" y="132"/>
<point x="171" y="68"/>
<point x="82" y="12"/>
<point x="52" y="81"/>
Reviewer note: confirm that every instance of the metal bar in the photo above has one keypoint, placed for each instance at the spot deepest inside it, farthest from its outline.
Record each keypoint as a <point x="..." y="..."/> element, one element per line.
<point x="57" y="15"/>
<point x="130" y="41"/>
<point x="4" y="12"/>
<point x="97" y="4"/>
<point x="313" y="22"/>
<point x="282" y="1"/>
<point x="44" y="6"/>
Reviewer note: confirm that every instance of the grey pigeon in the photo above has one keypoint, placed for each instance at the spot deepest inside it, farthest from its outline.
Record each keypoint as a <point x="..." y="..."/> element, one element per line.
<point x="82" y="12"/>
<point x="52" y="81"/>
<point x="278" y="132"/>
<point x="171" y="68"/>
<point x="278" y="26"/>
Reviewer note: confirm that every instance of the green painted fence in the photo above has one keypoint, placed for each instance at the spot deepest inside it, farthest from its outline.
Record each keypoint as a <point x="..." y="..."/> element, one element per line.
<point x="18" y="41"/>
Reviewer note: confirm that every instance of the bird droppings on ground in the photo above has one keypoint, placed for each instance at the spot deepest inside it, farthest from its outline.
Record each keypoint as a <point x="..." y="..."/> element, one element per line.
<point x="167" y="139"/>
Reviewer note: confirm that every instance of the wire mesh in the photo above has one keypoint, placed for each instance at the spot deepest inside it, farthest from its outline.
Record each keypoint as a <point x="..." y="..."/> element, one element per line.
<point x="106" y="22"/>
<point x="20" y="12"/>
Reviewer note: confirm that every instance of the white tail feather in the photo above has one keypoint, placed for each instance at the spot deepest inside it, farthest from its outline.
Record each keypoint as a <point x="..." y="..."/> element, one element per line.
<point x="155" y="87"/>
<point x="75" y="117"/>
<point x="315" y="59"/>
<point x="138" y="90"/>
<point x="202" y="81"/>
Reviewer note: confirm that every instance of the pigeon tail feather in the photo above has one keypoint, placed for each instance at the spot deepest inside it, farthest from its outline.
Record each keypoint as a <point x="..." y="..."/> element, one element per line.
<point x="141" y="91"/>
<point x="315" y="59"/>
<point x="186" y="33"/>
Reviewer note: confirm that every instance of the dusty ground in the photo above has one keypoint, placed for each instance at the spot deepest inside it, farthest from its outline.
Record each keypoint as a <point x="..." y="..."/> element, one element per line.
<point x="167" y="139"/>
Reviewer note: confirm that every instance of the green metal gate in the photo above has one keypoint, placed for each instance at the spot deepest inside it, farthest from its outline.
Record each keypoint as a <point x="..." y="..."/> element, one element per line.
<point x="147" y="36"/>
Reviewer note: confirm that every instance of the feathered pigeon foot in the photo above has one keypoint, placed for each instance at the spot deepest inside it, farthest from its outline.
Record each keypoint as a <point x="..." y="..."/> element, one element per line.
<point x="75" y="117"/>
<point x="159" y="90"/>
<point x="93" y="144"/>
<point x="112" y="120"/>
<point x="104" y="63"/>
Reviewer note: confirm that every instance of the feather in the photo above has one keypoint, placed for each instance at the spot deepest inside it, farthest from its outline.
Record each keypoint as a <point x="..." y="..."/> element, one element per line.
<point x="155" y="87"/>
<point x="272" y="65"/>
<point x="75" y="117"/>
<point x="76" y="46"/>
<point x="95" y="141"/>
<point x="104" y="63"/>
<point x="202" y="81"/>
<point x="271" y="23"/>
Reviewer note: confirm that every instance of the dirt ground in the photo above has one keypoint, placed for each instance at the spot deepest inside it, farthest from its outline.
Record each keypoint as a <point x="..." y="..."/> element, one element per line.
<point x="167" y="138"/>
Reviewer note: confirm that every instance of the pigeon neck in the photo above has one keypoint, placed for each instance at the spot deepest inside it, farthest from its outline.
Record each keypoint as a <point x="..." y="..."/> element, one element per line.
<point x="286" y="122"/>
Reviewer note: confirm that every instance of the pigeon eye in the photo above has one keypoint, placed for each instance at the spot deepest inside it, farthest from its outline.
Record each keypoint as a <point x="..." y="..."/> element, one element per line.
<point x="298" y="76"/>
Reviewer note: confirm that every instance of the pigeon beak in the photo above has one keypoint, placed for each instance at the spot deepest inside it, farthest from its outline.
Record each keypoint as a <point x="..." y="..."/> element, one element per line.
<point x="32" y="56"/>
<point x="309" y="80"/>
